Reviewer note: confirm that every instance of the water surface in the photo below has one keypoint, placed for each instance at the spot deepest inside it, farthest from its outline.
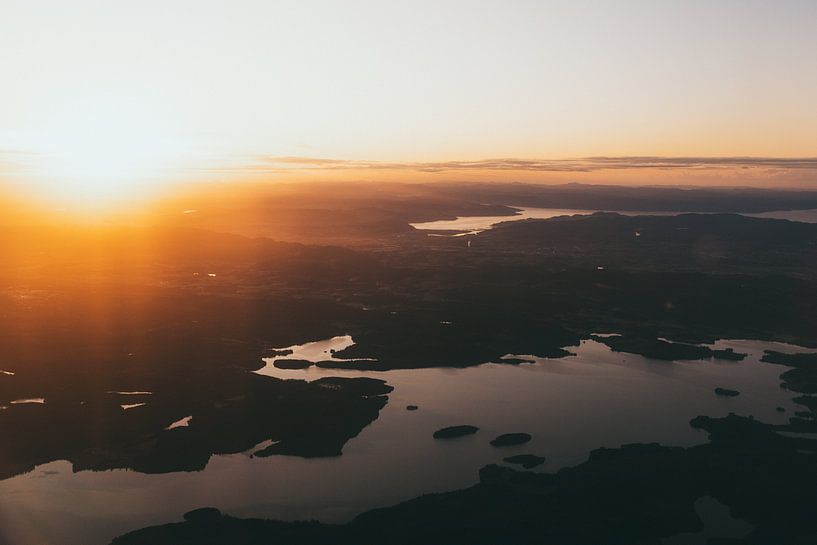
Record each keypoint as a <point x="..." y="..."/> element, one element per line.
<point x="469" y="225"/>
<point x="571" y="406"/>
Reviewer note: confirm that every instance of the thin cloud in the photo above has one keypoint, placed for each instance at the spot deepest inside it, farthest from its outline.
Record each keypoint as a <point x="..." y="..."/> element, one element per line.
<point x="586" y="164"/>
<point x="17" y="160"/>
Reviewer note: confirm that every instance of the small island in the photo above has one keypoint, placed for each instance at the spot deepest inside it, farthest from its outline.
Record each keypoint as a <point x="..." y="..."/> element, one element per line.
<point x="292" y="364"/>
<point x="726" y="392"/>
<point x="453" y="432"/>
<point x="509" y="439"/>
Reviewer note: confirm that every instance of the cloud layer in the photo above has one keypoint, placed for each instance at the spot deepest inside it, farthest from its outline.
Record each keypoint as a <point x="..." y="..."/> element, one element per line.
<point x="585" y="164"/>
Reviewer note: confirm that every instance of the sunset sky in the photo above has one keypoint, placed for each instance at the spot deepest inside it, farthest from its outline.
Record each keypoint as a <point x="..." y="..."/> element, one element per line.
<point x="100" y="98"/>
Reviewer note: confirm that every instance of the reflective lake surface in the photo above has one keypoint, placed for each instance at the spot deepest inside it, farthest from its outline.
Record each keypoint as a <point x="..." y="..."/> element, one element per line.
<point x="475" y="224"/>
<point x="570" y="405"/>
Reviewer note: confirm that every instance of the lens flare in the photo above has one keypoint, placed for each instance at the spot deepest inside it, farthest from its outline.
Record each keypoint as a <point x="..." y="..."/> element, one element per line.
<point x="103" y="154"/>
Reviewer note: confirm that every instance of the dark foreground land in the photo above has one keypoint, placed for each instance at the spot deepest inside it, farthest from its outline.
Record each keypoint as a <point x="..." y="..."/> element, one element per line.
<point x="637" y="494"/>
<point x="632" y="495"/>
<point x="177" y="316"/>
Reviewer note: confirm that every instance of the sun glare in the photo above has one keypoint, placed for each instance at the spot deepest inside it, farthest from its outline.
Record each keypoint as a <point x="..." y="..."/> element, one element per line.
<point x="103" y="155"/>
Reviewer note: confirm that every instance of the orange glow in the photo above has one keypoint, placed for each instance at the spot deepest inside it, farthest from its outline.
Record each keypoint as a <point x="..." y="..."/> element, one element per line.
<point x="106" y="103"/>
<point x="98" y="152"/>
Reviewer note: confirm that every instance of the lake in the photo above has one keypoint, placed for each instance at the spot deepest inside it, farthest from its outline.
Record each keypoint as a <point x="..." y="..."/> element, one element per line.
<point x="468" y="225"/>
<point x="570" y="405"/>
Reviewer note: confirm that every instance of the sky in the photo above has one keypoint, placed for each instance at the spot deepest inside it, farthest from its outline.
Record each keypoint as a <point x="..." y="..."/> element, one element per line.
<point x="98" y="96"/>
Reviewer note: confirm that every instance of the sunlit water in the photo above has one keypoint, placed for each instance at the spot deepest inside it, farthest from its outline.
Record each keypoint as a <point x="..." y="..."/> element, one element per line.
<point x="467" y="225"/>
<point x="475" y="224"/>
<point x="316" y="351"/>
<point x="570" y="405"/>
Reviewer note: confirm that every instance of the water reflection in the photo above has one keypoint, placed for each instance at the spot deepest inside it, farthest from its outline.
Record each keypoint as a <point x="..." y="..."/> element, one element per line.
<point x="469" y="225"/>
<point x="570" y="406"/>
<point x="181" y="423"/>
<point x="313" y="352"/>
